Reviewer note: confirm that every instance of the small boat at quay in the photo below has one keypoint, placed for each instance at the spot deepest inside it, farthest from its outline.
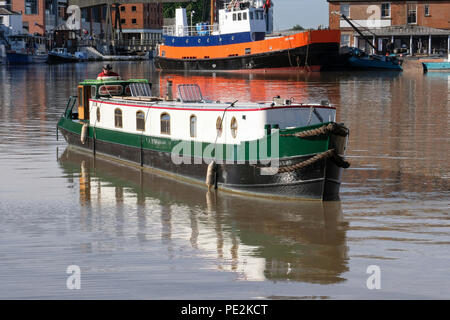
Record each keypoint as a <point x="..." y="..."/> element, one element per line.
<point x="243" y="41"/>
<point x="360" y="60"/>
<point x="442" y="65"/>
<point x="280" y="148"/>
<point x="60" y="55"/>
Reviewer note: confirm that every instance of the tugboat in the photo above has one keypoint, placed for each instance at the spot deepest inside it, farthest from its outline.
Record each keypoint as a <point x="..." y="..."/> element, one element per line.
<point x="242" y="40"/>
<point x="279" y="148"/>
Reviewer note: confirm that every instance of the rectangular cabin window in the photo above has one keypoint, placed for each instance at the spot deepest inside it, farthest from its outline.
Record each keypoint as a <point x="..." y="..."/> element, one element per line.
<point x="251" y="15"/>
<point x="239" y="16"/>
<point x="244" y="16"/>
<point x="140" y="121"/>
<point x="234" y="16"/>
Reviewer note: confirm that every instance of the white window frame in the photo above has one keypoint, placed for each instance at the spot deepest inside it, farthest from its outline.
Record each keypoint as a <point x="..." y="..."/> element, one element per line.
<point x="345" y="5"/>
<point x="389" y="10"/>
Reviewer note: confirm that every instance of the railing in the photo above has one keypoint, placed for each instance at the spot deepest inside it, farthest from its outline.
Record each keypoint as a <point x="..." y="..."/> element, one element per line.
<point x="197" y="30"/>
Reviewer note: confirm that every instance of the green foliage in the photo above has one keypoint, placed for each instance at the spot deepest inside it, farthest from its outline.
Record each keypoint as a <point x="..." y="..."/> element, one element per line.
<point x="169" y="10"/>
<point x="297" y="27"/>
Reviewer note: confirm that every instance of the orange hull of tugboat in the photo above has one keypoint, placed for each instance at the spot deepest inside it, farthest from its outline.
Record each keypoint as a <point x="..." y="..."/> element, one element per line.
<point x="310" y="49"/>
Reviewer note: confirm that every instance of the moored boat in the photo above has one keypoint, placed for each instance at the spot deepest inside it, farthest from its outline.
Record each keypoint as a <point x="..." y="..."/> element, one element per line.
<point x="277" y="149"/>
<point x="60" y="55"/>
<point x="243" y="40"/>
<point x="443" y="65"/>
<point x="360" y="60"/>
<point x="26" y="49"/>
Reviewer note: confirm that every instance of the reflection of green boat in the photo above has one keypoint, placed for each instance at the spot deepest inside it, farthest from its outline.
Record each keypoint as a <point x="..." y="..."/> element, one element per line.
<point x="260" y="239"/>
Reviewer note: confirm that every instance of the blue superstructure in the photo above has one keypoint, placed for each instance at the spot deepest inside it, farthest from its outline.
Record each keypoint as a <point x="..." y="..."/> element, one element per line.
<point x="212" y="40"/>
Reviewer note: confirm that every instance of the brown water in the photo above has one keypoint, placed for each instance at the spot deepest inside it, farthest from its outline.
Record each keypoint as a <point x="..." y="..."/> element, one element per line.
<point x="137" y="235"/>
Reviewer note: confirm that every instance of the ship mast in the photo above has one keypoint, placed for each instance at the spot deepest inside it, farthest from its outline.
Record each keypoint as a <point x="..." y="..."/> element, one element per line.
<point x="213" y="5"/>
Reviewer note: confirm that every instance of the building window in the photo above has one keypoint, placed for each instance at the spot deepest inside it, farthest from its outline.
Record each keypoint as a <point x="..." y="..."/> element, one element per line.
<point x="31" y="6"/>
<point x="133" y="21"/>
<point x="140" y="121"/>
<point x="234" y="127"/>
<point x="122" y="8"/>
<point x="427" y="10"/>
<point x="133" y="8"/>
<point x="98" y="114"/>
<point x="118" y="118"/>
<point x="219" y="126"/>
<point x="345" y="10"/>
<point x="345" y="40"/>
<point x="412" y="13"/>
<point x="193" y="126"/>
<point x="385" y="10"/>
<point x="122" y="21"/>
<point x="165" y="123"/>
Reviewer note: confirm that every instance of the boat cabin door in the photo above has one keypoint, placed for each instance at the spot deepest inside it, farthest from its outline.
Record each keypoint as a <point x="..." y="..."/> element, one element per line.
<point x="84" y="93"/>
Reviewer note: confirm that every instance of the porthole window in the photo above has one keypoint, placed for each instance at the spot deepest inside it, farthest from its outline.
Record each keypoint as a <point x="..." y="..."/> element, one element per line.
<point x="165" y="123"/>
<point x="118" y="118"/>
<point x="234" y="127"/>
<point x="98" y="114"/>
<point x="219" y="126"/>
<point x="193" y="126"/>
<point x="140" y="121"/>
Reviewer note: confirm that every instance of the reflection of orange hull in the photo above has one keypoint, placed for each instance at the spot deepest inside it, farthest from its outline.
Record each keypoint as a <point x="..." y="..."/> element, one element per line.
<point x="239" y="87"/>
<point x="297" y="40"/>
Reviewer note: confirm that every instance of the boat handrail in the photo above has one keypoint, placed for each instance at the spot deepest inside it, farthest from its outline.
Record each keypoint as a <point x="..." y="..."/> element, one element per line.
<point x="197" y="30"/>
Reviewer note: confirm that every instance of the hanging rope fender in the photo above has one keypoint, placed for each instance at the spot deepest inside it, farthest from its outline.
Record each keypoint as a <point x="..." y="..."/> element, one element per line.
<point x="334" y="128"/>
<point x="337" y="160"/>
<point x="84" y="133"/>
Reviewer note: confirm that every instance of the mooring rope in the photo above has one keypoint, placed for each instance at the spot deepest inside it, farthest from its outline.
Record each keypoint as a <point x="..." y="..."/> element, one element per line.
<point x="333" y="127"/>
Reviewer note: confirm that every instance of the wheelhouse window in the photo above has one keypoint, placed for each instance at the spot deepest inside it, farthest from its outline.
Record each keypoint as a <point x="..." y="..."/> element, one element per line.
<point x="165" y="123"/>
<point x="234" y="127"/>
<point x="244" y="16"/>
<point x="412" y="13"/>
<point x="118" y="118"/>
<point x="193" y="126"/>
<point x="345" y="10"/>
<point x="219" y="126"/>
<point x="140" y="121"/>
<point x="385" y="10"/>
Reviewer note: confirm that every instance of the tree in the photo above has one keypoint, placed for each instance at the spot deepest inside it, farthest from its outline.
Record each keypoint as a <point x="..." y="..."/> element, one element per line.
<point x="297" y="27"/>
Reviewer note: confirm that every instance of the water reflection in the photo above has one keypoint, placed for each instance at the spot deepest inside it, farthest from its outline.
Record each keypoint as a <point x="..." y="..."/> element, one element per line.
<point x="256" y="238"/>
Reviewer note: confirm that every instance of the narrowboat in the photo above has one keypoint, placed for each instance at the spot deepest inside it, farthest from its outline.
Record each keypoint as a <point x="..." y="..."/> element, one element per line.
<point x="243" y="40"/>
<point x="279" y="148"/>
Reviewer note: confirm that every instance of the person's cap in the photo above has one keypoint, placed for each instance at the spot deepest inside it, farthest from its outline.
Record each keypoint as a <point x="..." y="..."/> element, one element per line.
<point x="107" y="67"/>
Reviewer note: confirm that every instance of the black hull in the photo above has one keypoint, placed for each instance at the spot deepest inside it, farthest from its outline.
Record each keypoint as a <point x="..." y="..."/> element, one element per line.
<point x="312" y="58"/>
<point x="319" y="181"/>
<point x="52" y="59"/>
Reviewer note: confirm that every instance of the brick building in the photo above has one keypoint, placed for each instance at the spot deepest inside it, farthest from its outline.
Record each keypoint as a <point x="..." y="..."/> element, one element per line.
<point x="421" y="26"/>
<point x="141" y="22"/>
